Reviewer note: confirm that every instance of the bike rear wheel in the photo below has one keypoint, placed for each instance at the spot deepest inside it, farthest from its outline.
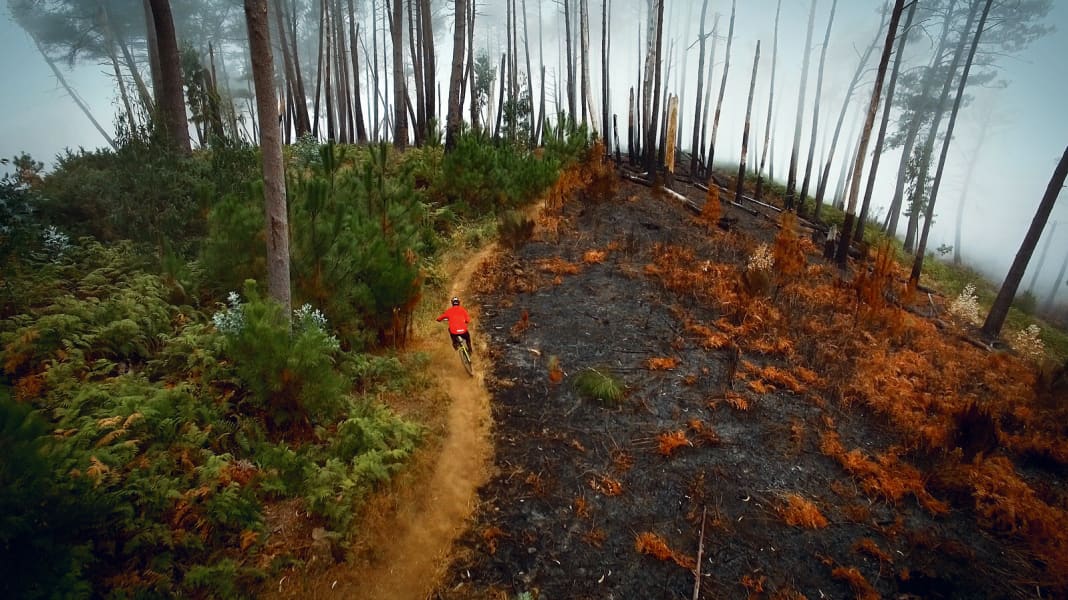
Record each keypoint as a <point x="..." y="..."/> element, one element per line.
<point x="465" y="358"/>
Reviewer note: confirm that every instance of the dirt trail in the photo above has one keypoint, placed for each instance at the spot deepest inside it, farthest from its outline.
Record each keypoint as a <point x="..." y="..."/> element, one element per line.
<point x="418" y="550"/>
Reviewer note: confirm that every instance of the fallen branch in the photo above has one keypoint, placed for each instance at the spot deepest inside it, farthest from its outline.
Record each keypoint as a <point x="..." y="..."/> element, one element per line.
<point x="700" y="552"/>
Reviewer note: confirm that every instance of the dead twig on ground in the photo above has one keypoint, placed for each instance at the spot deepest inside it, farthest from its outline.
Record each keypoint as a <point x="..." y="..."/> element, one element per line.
<point x="700" y="556"/>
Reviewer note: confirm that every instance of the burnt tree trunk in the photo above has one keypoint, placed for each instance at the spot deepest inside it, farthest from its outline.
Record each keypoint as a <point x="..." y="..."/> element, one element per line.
<point x="400" y="116"/>
<point x="880" y="139"/>
<point x="791" y="176"/>
<point x="759" y="192"/>
<point x="869" y="122"/>
<point x="816" y="110"/>
<point x="722" y="89"/>
<point x="917" y="265"/>
<point x="700" y="84"/>
<point x="740" y="184"/>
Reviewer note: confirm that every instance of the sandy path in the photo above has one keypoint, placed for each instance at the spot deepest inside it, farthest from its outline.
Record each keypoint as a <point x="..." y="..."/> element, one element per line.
<point x="416" y="555"/>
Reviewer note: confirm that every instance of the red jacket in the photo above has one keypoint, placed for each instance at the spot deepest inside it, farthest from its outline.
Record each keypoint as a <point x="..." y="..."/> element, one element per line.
<point x="458" y="319"/>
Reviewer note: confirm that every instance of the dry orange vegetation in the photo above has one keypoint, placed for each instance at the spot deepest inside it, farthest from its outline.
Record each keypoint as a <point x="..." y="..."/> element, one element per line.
<point x="800" y="512"/>
<point x="853" y="341"/>
<point x="655" y="546"/>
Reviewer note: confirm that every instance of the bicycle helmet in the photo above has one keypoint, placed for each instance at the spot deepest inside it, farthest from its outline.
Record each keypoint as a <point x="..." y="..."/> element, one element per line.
<point x="456" y="301"/>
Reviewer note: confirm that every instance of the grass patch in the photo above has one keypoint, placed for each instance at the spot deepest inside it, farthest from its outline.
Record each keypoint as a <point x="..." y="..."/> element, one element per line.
<point x="599" y="386"/>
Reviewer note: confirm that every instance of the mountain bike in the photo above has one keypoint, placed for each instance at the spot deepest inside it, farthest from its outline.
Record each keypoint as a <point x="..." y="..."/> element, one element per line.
<point x="465" y="357"/>
<point x="465" y="354"/>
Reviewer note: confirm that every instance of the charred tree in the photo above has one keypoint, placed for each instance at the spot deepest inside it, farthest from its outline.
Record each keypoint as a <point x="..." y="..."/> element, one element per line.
<point x="791" y="176"/>
<point x="701" y="37"/>
<point x="916" y="122"/>
<point x="650" y="137"/>
<point x="708" y="97"/>
<point x="722" y="89"/>
<point x="740" y="184"/>
<point x="917" y="264"/>
<point x="869" y="122"/>
<point x="759" y="192"/>
<point x="816" y="110"/>
<point x="881" y="138"/>
<point x="605" y="48"/>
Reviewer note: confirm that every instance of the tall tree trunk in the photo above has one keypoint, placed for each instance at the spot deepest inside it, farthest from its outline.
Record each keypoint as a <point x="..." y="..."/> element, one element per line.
<point x="650" y="136"/>
<point x="274" y="185"/>
<point x="170" y="98"/>
<point x="708" y="96"/>
<point x="740" y="184"/>
<point x="532" y="130"/>
<point x="695" y="144"/>
<point x="869" y="122"/>
<point x="1000" y="309"/>
<point x="645" y="115"/>
<point x="292" y="70"/>
<point x="287" y="61"/>
<point x="913" y="131"/>
<point x="375" y="70"/>
<point x="821" y="186"/>
<point x="302" y="92"/>
<point x="476" y="100"/>
<point x="429" y="62"/>
<point x="357" y="93"/>
<point x="927" y="150"/>
<point x="759" y="193"/>
<point x="319" y="73"/>
<point x="722" y="89"/>
<point x="400" y="117"/>
<point x="877" y="152"/>
<point x="570" y="61"/>
<point x="605" y="105"/>
<point x="341" y="60"/>
<point x="791" y="176"/>
<point x="328" y="91"/>
<point x="917" y="265"/>
<point x="415" y="46"/>
<point x="631" y="156"/>
<point x="454" y="118"/>
<point x="500" y="98"/>
<point x="541" y="100"/>
<point x="584" y="32"/>
<point x="816" y="110"/>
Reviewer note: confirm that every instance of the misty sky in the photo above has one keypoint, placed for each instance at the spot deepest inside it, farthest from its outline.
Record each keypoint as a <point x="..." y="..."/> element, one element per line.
<point x="1027" y="132"/>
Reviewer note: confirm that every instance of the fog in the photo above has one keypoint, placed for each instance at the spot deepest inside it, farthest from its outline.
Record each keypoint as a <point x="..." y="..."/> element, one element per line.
<point x="1007" y="140"/>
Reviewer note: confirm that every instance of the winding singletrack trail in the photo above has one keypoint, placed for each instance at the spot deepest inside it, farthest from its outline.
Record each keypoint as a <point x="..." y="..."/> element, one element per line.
<point x="418" y="541"/>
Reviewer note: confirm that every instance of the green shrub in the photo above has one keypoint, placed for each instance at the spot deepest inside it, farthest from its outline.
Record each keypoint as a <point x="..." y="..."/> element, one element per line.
<point x="479" y="177"/>
<point x="289" y="373"/>
<point x="597" y="385"/>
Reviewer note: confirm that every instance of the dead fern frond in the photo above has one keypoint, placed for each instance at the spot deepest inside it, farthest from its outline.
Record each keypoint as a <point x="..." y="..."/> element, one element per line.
<point x="653" y="545"/>
<point x="668" y="443"/>
<point x="800" y="512"/>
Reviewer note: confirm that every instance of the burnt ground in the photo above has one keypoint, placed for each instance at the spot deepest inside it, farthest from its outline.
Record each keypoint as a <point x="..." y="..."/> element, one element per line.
<point x="578" y="480"/>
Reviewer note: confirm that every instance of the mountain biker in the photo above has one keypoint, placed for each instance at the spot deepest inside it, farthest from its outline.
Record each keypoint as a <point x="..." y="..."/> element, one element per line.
<point x="458" y="320"/>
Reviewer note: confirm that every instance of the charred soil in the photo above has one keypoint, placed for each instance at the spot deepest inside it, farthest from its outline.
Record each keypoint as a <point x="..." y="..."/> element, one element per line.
<point x="741" y="458"/>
